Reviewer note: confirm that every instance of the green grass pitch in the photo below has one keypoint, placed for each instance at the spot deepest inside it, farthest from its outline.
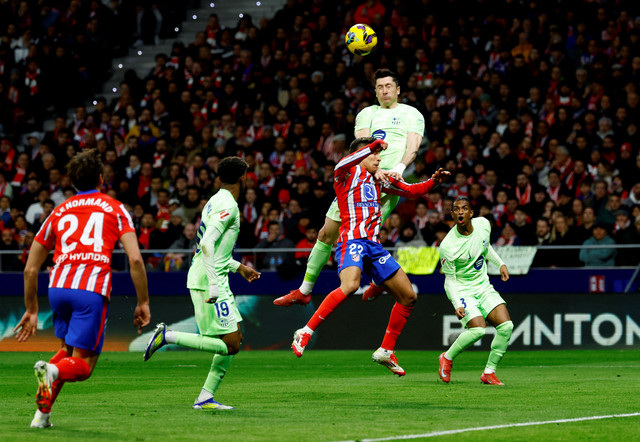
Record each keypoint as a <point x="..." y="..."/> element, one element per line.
<point x="332" y="395"/>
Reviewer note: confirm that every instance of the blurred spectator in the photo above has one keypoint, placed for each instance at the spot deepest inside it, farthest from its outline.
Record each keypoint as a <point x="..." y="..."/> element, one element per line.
<point x="562" y="234"/>
<point x="275" y="240"/>
<point x="604" y="257"/>
<point x="10" y="263"/>
<point x="624" y="232"/>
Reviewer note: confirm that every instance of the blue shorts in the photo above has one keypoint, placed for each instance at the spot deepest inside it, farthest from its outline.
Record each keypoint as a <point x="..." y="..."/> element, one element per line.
<point x="369" y="256"/>
<point x="79" y="317"/>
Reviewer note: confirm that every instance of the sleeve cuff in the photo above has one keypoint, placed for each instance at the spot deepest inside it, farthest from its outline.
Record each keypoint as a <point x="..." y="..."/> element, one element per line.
<point x="400" y="168"/>
<point x="233" y="265"/>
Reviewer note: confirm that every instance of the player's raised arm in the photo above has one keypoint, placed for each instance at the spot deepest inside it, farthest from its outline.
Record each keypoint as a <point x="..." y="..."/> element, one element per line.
<point x="354" y="158"/>
<point x="142" y="315"/>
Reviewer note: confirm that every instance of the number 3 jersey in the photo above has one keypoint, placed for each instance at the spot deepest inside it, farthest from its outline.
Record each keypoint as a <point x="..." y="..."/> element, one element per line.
<point x="84" y="230"/>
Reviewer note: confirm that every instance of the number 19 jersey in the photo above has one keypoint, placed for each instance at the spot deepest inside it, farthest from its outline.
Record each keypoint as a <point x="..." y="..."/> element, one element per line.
<point x="84" y="230"/>
<point x="220" y="213"/>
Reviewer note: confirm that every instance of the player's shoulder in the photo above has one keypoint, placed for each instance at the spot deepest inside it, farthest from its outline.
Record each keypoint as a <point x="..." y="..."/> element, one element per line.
<point x="222" y="201"/>
<point x="408" y="109"/>
<point x="365" y="112"/>
<point x="481" y="222"/>
<point x="447" y="241"/>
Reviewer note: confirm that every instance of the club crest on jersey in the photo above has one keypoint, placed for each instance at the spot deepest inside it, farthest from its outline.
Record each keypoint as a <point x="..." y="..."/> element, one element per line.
<point x="355" y="257"/>
<point x="379" y="134"/>
<point x="368" y="192"/>
<point x="479" y="262"/>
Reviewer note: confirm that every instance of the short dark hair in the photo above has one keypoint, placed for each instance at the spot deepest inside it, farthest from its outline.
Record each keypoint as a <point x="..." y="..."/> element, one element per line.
<point x="383" y="73"/>
<point x="462" y="198"/>
<point x="358" y="143"/>
<point x="231" y="169"/>
<point x="85" y="169"/>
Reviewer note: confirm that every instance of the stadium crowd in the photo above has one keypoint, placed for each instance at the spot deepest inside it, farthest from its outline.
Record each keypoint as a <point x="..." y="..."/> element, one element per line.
<point x="533" y="106"/>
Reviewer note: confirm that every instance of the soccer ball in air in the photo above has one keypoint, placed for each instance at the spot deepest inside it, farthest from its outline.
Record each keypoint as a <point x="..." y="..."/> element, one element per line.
<point x="361" y="39"/>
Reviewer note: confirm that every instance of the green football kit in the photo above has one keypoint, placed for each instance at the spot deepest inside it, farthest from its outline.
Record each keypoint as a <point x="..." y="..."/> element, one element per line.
<point x="464" y="263"/>
<point x="218" y="231"/>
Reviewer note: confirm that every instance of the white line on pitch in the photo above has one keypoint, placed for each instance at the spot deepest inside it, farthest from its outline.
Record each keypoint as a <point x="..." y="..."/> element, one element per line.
<point x="497" y="427"/>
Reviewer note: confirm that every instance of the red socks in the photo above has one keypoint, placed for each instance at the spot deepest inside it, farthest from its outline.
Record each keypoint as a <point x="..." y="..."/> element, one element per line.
<point x="56" y="385"/>
<point x="397" y="321"/>
<point x="58" y="356"/>
<point x="333" y="299"/>
<point x="72" y="369"/>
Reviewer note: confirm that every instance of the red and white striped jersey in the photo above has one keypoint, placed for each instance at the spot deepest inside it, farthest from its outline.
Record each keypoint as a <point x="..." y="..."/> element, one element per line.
<point x="84" y="230"/>
<point x="358" y="195"/>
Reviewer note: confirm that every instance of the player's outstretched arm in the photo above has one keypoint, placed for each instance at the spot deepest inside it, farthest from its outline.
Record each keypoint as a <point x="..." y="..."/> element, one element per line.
<point x="29" y="323"/>
<point x="412" y="191"/>
<point x="142" y="314"/>
<point x="248" y="273"/>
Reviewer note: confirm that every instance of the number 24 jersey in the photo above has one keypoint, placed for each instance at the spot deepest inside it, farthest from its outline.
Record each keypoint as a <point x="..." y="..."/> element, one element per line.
<point x="84" y="230"/>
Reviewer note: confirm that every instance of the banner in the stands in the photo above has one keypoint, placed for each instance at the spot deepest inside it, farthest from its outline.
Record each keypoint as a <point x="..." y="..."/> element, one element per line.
<point x="518" y="259"/>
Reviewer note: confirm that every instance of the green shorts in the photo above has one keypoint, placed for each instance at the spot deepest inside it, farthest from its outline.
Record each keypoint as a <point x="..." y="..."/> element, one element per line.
<point x="480" y="304"/>
<point x="216" y="319"/>
<point x="389" y="203"/>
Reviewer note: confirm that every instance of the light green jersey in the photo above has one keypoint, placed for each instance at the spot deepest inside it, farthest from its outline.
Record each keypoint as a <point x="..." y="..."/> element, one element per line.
<point x="464" y="257"/>
<point x="220" y="213"/>
<point x="392" y="126"/>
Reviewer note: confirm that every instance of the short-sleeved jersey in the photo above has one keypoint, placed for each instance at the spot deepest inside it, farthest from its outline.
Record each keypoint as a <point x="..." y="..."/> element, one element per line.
<point x="392" y="126"/>
<point x="358" y="195"/>
<point x="465" y="256"/>
<point x="84" y="230"/>
<point x="220" y="213"/>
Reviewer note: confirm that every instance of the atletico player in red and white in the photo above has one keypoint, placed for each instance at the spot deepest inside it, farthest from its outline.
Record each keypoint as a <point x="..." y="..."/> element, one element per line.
<point x="359" y="249"/>
<point x="83" y="231"/>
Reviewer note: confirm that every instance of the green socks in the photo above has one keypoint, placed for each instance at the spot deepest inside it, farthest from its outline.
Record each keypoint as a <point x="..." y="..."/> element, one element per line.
<point x="204" y="343"/>
<point x="499" y="344"/>
<point x="218" y="369"/>
<point x="466" y="339"/>
<point x="317" y="259"/>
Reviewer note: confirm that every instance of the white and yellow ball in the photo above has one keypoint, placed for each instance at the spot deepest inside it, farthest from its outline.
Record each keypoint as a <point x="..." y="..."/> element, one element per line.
<point x="361" y="39"/>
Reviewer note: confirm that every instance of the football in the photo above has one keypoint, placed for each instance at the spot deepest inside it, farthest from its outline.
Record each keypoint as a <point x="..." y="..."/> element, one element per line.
<point x="361" y="39"/>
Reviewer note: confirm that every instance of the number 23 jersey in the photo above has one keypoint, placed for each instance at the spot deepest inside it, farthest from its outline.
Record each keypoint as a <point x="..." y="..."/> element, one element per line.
<point x="84" y="230"/>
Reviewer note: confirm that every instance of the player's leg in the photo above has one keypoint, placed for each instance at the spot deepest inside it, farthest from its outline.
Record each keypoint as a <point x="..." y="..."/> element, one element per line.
<point x="206" y="315"/>
<point x="350" y="271"/>
<point x="79" y="321"/>
<point x="318" y="258"/>
<point x="500" y="319"/>
<point x="219" y="367"/>
<point x="475" y="329"/>
<point x="388" y="205"/>
<point x="387" y="273"/>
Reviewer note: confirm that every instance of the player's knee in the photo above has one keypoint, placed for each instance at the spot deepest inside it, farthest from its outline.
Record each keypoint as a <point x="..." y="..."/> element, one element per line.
<point x="478" y="332"/>
<point x="233" y="343"/>
<point x="349" y="287"/>
<point x="505" y="329"/>
<point x="233" y="347"/>
<point x="409" y="299"/>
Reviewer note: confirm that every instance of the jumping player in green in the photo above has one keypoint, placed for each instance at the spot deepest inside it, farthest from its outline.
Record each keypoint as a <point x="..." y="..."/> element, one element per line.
<point x="216" y="313"/>
<point x="463" y="255"/>
<point x="400" y="126"/>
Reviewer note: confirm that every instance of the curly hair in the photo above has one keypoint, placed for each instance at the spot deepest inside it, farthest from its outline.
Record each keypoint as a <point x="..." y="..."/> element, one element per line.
<point x="85" y="170"/>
